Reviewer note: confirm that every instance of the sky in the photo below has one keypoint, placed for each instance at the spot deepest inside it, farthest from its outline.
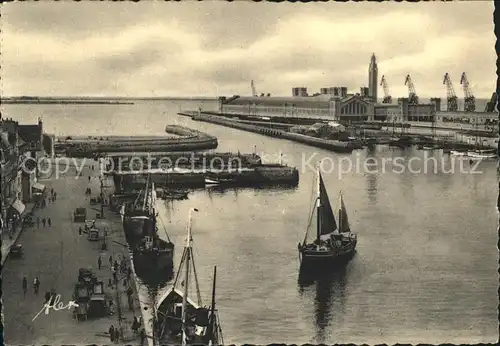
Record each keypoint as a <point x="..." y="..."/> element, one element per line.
<point x="155" y="49"/>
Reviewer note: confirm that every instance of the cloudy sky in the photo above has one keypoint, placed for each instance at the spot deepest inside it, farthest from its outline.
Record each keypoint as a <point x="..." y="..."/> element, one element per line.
<point x="206" y="49"/>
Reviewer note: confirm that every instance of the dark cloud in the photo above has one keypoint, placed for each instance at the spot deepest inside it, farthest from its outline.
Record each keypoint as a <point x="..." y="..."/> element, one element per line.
<point x="209" y="47"/>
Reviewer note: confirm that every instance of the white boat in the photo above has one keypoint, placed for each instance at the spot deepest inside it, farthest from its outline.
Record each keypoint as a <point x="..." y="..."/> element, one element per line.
<point x="458" y="153"/>
<point x="482" y="154"/>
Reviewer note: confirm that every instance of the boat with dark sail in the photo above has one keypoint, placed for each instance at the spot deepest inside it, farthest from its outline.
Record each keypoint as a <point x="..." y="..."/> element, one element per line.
<point x="181" y="319"/>
<point x="333" y="244"/>
<point x="152" y="256"/>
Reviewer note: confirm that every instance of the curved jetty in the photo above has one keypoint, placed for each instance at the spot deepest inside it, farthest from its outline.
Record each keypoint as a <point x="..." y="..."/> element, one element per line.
<point x="332" y="145"/>
<point x="185" y="140"/>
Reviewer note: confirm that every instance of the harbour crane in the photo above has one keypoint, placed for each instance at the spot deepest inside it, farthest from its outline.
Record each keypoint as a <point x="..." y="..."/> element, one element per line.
<point x="412" y="95"/>
<point x="470" y="100"/>
<point x="451" y="98"/>
<point x="387" y="97"/>
<point x="254" y="92"/>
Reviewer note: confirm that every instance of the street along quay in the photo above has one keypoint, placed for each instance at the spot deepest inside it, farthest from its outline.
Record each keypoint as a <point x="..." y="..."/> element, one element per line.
<point x="56" y="254"/>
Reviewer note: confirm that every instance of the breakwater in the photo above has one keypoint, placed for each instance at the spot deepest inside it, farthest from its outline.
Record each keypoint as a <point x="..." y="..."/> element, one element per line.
<point x="262" y="175"/>
<point x="141" y="160"/>
<point x="91" y="146"/>
<point x="332" y="145"/>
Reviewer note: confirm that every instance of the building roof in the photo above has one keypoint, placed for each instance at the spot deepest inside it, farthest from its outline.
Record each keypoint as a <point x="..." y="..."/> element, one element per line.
<point x="30" y="133"/>
<point x="298" y="101"/>
<point x="320" y="101"/>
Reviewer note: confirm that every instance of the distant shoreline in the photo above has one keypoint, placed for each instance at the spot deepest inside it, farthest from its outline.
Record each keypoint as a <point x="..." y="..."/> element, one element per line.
<point x="66" y="102"/>
<point x="94" y="100"/>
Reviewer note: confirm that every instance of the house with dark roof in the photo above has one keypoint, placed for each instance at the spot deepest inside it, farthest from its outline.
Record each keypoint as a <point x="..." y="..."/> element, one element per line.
<point x="32" y="136"/>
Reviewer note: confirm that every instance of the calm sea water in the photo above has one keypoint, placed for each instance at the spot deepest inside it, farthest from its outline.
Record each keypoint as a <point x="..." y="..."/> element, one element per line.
<point x="426" y="267"/>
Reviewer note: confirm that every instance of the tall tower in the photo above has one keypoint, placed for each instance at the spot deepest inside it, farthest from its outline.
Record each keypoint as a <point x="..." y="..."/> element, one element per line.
<point x="373" y="78"/>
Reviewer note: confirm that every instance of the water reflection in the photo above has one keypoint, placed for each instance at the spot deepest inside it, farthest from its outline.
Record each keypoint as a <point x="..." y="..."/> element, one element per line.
<point x="329" y="300"/>
<point x="371" y="178"/>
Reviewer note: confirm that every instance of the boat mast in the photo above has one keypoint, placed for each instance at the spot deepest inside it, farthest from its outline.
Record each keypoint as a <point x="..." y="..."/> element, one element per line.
<point x="212" y="313"/>
<point x="186" y="279"/>
<point x="318" y="206"/>
<point x="340" y="213"/>
<point x="145" y="194"/>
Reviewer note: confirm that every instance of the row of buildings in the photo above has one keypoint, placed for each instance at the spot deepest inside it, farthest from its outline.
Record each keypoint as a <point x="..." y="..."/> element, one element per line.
<point x="369" y="93"/>
<point x="21" y="148"/>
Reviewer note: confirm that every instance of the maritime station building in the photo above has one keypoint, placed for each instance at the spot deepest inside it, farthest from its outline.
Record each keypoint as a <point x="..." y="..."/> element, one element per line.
<point x="352" y="107"/>
<point x="333" y="103"/>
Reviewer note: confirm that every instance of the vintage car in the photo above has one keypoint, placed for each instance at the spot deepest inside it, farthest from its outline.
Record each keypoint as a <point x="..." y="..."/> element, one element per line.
<point x="80" y="215"/>
<point x="93" y="234"/>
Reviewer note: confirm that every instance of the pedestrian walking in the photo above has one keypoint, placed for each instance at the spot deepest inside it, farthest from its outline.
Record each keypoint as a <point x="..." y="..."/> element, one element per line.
<point x="47" y="297"/>
<point x="99" y="262"/>
<point x="38" y="221"/>
<point x="143" y="336"/>
<point x="49" y="222"/>
<point x="117" y="335"/>
<point x="111" y="331"/>
<point x="135" y="325"/>
<point x="55" y="196"/>
<point x="110" y="261"/>
<point x="52" y="191"/>
<point x="36" y="285"/>
<point x="89" y="177"/>
<point x="25" y="285"/>
<point x="43" y="222"/>
<point x="80" y="231"/>
<point x="115" y="279"/>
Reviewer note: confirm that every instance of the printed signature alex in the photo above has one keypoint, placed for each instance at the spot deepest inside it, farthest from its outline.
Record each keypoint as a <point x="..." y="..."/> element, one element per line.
<point x="56" y="305"/>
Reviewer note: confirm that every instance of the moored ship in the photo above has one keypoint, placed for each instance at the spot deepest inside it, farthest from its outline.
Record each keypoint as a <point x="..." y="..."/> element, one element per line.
<point x="181" y="319"/>
<point x="152" y="256"/>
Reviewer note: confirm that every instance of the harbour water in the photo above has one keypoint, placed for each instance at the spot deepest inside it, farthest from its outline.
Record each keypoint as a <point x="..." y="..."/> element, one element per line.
<point x="426" y="267"/>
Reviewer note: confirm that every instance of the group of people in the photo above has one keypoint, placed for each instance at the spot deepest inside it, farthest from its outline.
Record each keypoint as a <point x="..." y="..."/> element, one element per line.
<point x="114" y="333"/>
<point x="36" y="285"/>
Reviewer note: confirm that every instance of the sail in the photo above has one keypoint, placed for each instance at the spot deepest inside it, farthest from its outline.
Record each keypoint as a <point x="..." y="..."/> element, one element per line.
<point x="327" y="218"/>
<point x="343" y="219"/>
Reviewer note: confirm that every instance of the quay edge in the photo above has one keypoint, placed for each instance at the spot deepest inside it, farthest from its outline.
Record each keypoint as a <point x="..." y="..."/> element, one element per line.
<point x="336" y="146"/>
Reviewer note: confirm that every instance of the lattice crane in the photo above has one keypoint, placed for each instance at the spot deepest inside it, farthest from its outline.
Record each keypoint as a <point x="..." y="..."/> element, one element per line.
<point x="385" y="86"/>
<point x="412" y="95"/>
<point x="451" y="98"/>
<point x="470" y="100"/>
<point x="254" y="92"/>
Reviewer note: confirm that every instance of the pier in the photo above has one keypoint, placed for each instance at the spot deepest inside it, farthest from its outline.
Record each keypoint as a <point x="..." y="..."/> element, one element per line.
<point x="184" y="140"/>
<point x="332" y="145"/>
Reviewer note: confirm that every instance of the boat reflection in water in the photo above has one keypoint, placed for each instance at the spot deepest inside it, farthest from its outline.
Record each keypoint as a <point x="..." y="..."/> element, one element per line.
<point x="329" y="297"/>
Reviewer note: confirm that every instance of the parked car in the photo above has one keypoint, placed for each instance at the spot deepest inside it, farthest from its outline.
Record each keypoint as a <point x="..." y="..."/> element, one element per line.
<point x="80" y="214"/>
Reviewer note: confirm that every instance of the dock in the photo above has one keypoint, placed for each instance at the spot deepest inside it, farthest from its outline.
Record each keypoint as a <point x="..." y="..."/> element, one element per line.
<point x="333" y="145"/>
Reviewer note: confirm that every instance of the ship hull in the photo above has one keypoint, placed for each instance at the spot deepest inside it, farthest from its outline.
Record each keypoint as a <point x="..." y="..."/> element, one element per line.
<point x="133" y="230"/>
<point x="154" y="265"/>
<point x="319" y="259"/>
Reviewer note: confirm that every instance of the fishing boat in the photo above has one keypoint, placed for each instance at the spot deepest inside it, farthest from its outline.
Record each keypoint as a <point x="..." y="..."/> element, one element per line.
<point x="152" y="256"/>
<point x="484" y="154"/>
<point x="332" y="245"/>
<point x="458" y="153"/>
<point x="181" y="319"/>
<point x="134" y="216"/>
